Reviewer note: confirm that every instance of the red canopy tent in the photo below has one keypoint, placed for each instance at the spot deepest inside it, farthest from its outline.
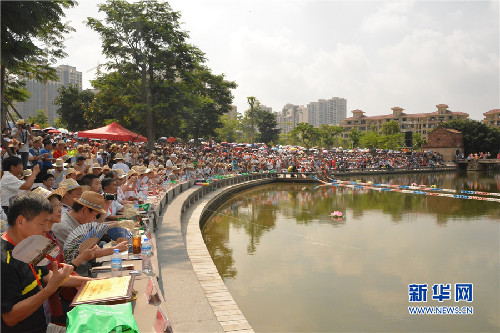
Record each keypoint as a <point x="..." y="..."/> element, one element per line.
<point x="112" y="131"/>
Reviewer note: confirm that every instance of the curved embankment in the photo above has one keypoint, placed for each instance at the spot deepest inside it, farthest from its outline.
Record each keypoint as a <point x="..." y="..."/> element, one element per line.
<point x="195" y="296"/>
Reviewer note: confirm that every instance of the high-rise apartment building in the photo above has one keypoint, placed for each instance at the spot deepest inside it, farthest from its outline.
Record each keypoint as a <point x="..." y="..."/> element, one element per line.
<point x="327" y="111"/>
<point x="290" y="116"/>
<point x="233" y="113"/>
<point x="43" y="94"/>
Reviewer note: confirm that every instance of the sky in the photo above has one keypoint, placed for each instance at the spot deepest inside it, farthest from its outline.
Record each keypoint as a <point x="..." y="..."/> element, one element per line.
<point x="375" y="54"/>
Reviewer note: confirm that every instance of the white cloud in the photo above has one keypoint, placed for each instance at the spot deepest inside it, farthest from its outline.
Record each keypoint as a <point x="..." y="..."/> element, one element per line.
<point x="414" y="54"/>
<point x="390" y="16"/>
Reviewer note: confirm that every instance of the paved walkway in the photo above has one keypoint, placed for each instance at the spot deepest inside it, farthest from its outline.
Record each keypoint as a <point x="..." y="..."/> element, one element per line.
<point x="196" y="298"/>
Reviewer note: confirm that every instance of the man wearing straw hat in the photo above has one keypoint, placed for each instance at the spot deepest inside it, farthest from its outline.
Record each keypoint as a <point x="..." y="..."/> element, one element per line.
<point x="73" y="192"/>
<point x="59" y="173"/>
<point x="96" y="169"/>
<point x="119" y="163"/>
<point x="86" y="209"/>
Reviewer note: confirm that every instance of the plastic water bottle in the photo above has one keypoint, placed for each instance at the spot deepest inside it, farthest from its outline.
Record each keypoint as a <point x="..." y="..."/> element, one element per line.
<point x="147" y="267"/>
<point x="116" y="263"/>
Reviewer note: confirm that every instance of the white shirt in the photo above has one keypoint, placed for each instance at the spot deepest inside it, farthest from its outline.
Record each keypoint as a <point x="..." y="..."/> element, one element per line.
<point x="121" y="165"/>
<point x="114" y="208"/>
<point x="9" y="186"/>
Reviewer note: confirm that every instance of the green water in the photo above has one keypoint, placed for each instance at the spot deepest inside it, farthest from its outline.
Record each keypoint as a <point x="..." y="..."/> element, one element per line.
<point x="290" y="267"/>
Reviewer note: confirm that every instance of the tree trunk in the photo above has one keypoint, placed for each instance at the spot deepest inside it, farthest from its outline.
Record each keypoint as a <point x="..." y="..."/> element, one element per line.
<point x="146" y="99"/>
<point x="3" y="119"/>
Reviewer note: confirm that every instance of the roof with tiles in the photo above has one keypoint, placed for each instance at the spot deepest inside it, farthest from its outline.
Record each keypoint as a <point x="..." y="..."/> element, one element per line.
<point x="494" y="111"/>
<point x="408" y="115"/>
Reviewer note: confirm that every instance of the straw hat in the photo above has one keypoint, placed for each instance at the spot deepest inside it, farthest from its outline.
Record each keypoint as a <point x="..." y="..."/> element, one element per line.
<point x="37" y="138"/>
<point x="69" y="171"/>
<point x="27" y="173"/>
<point x="145" y="171"/>
<point x="92" y="200"/>
<point x="132" y="172"/>
<point x="118" y="156"/>
<point x="20" y="122"/>
<point x="96" y="166"/>
<point x="161" y="167"/>
<point x="60" y="163"/>
<point x="60" y="192"/>
<point x="106" y="167"/>
<point x="120" y="173"/>
<point x="69" y="184"/>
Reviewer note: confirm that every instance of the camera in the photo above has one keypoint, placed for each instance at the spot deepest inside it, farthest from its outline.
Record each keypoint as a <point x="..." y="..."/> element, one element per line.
<point x="109" y="196"/>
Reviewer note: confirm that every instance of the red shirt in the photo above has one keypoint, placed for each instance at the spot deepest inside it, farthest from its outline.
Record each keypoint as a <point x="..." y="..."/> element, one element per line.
<point x="58" y="153"/>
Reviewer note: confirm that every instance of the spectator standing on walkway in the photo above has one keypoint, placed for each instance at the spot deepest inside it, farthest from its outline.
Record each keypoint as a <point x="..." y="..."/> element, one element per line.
<point x="11" y="184"/>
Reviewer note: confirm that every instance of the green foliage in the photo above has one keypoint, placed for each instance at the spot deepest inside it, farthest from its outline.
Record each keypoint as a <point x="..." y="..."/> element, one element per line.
<point x="370" y="140"/>
<point x="390" y="128"/>
<point x="392" y="141"/>
<point x="417" y="140"/>
<point x="39" y="118"/>
<point x="267" y="126"/>
<point x="58" y="123"/>
<point x="306" y="134"/>
<point x="32" y="37"/>
<point x="355" y="136"/>
<point x="329" y="135"/>
<point x="166" y="89"/>
<point x="478" y="137"/>
<point x="75" y="108"/>
<point x="228" y="132"/>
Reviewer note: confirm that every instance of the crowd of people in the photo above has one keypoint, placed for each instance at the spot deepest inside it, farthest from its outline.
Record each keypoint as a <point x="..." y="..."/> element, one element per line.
<point x="53" y="183"/>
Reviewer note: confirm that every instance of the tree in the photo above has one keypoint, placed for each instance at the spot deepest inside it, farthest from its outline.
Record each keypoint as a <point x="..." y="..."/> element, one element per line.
<point x="391" y="127"/>
<point x="145" y="37"/>
<point x="209" y="98"/>
<point x="32" y="37"/>
<point x="329" y="134"/>
<point x="40" y="118"/>
<point x="74" y="107"/>
<point x="305" y="133"/>
<point x="478" y="137"/>
<point x="417" y="140"/>
<point x="267" y="126"/>
<point x="229" y="131"/>
<point x="355" y="136"/>
<point x="370" y="139"/>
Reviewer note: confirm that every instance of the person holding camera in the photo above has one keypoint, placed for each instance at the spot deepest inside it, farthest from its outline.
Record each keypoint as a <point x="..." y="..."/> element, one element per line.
<point x="109" y="187"/>
<point x="24" y="136"/>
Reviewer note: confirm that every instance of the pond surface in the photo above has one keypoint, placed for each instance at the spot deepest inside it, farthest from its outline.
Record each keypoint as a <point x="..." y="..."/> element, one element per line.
<point x="290" y="267"/>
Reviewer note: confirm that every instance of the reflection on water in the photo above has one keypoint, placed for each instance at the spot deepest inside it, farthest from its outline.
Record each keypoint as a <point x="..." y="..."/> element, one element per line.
<point x="291" y="268"/>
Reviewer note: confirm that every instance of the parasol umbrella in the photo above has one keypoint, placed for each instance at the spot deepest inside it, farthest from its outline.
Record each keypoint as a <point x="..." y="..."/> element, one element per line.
<point x="171" y="140"/>
<point x="54" y="131"/>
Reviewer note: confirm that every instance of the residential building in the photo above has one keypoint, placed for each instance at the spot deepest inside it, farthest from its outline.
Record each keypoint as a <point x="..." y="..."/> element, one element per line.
<point x="266" y="108"/>
<point x="421" y="123"/>
<point x="327" y="111"/>
<point x="492" y="118"/>
<point x="43" y="94"/>
<point x="290" y="116"/>
<point x="233" y="112"/>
